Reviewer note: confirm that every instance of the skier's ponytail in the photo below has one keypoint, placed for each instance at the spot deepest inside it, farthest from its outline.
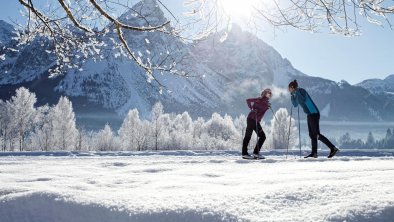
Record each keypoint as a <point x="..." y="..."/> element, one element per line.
<point x="293" y="84"/>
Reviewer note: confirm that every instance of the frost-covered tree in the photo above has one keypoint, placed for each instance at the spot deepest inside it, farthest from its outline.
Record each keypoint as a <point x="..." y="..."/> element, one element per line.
<point x="389" y="134"/>
<point x="240" y="125"/>
<point x="221" y="127"/>
<point x="370" y="143"/>
<point x="389" y="139"/>
<point x="105" y="139"/>
<point x="128" y="131"/>
<point x="5" y="124"/>
<point x="180" y="131"/>
<point x="134" y="132"/>
<point x="345" y="139"/>
<point x="280" y="130"/>
<point x="219" y="133"/>
<point x="348" y="143"/>
<point x="43" y="136"/>
<point x="342" y="17"/>
<point x="82" y="140"/>
<point x="165" y="125"/>
<point x="198" y="127"/>
<point x="157" y="127"/>
<point x="89" y="140"/>
<point x="63" y="124"/>
<point x="22" y="113"/>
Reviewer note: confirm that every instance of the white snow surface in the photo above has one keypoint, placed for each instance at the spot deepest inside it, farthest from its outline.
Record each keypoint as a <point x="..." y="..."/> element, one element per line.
<point x="195" y="186"/>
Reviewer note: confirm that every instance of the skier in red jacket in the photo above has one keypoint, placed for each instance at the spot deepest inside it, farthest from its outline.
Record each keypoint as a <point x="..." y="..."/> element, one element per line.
<point x="258" y="107"/>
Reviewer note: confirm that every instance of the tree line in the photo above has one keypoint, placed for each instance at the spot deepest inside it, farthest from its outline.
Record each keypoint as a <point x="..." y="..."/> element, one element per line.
<point x="26" y="127"/>
<point x="387" y="142"/>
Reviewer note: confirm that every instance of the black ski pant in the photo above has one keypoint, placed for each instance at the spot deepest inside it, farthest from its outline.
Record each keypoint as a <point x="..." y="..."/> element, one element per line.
<point x="314" y="132"/>
<point x="253" y="125"/>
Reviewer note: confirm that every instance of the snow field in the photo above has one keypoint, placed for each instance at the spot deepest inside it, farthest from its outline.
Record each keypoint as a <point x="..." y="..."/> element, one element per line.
<point x="182" y="186"/>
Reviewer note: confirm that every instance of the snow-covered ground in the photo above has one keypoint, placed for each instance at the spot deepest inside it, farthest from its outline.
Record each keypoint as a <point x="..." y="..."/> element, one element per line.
<point x="195" y="186"/>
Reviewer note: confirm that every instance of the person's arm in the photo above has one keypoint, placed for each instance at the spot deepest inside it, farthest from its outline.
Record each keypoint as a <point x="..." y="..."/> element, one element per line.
<point x="250" y="101"/>
<point x="294" y="99"/>
<point x="266" y="105"/>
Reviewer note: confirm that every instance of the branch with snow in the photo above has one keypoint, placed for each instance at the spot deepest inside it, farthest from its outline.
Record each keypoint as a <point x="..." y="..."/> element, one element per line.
<point x="75" y="30"/>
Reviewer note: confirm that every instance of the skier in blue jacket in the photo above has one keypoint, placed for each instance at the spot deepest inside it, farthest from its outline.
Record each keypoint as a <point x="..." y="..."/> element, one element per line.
<point x="300" y="96"/>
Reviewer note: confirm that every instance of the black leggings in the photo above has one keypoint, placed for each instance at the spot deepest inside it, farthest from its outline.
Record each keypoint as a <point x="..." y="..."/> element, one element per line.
<point x="250" y="127"/>
<point x="314" y="132"/>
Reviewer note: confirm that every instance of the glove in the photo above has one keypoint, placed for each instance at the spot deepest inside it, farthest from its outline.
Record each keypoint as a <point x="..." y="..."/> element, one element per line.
<point x="255" y="110"/>
<point x="269" y="105"/>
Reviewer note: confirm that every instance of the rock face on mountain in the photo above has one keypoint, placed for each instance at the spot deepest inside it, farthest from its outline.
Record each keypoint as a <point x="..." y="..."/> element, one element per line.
<point x="227" y="68"/>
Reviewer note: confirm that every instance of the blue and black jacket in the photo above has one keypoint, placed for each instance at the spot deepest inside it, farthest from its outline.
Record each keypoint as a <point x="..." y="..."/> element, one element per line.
<point x="301" y="97"/>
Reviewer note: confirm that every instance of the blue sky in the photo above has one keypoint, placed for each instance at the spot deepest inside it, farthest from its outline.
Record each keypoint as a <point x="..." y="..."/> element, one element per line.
<point x="334" y="57"/>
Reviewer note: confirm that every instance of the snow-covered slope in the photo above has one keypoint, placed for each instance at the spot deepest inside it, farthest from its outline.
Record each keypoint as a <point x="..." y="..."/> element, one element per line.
<point x="123" y="85"/>
<point x="6" y="32"/>
<point x="379" y="85"/>
<point x="195" y="186"/>
<point x="229" y="66"/>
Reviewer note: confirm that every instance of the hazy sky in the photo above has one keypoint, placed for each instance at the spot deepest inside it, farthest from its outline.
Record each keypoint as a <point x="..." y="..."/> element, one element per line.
<point x="329" y="56"/>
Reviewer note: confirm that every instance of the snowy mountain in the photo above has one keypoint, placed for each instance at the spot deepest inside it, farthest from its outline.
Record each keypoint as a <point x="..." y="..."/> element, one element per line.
<point x="379" y="86"/>
<point x="6" y="33"/>
<point x="229" y="66"/>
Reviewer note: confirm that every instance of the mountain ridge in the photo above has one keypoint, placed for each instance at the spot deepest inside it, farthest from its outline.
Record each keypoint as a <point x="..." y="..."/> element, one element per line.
<point x="379" y="86"/>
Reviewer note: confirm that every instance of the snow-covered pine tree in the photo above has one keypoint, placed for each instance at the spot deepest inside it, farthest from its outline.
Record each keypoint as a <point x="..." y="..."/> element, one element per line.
<point x="22" y="113"/>
<point x="63" y="122"/>
<point x="280" y="130"/>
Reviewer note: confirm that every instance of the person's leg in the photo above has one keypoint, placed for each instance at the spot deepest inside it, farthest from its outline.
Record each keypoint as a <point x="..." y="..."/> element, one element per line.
<point x="262" y="138"/>
<point x="322" y="137"/>
<point x="248" y="134"/>
<point x="313" y="127"/>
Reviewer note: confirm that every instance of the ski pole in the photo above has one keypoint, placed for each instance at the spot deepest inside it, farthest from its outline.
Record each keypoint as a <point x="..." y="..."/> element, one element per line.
<point x="299" y="129"/>
<point x="257" y="133"/>
<point x="274" y="114"/>
<point x="288" y="135"/>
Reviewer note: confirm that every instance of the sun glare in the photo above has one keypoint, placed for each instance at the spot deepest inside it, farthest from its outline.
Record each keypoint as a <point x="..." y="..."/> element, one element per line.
<point x="237" y="8"/>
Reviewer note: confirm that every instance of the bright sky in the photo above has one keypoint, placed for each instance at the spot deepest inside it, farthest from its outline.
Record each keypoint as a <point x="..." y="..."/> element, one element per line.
<point x="329" y="56"/>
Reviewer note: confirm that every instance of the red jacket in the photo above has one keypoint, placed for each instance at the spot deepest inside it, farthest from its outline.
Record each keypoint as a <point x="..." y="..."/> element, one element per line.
<point x="260" y="105"/>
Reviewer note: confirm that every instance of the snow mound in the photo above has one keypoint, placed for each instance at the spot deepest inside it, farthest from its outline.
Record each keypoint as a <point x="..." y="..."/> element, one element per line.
<point x="41" y="207"/>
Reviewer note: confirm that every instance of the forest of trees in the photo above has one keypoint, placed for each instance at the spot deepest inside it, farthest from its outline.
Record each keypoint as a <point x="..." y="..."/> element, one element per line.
<point x="25" y="127"/>
<point x="386" y="142"/>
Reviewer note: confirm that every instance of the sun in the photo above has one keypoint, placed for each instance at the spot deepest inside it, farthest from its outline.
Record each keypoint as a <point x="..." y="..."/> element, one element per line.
<point x="238" y="8"/>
